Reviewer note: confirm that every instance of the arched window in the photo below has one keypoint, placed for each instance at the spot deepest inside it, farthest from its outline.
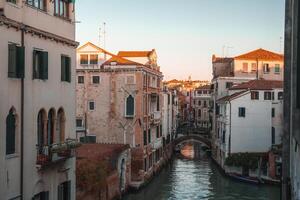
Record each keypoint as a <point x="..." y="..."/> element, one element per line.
<point x="41" y="119"/>
<point x="130" y="106"/>
<point x="11" y="132"/>
<point x="50" y="126"/>
<point x="60" y="126"/>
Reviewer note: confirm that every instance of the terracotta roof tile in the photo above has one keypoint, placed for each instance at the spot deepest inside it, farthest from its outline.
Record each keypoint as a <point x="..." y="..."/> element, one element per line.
<point x="134" y="53"/>
<point x="260" y="54"/>
<point x="204" y="87"/>
<point x="120" y="61"/>
<point x="230" y="97"/>
<point x="259" y="85"/>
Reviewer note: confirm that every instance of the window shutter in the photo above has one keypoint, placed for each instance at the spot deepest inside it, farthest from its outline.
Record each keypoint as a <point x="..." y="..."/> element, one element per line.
<point x="44" y="65"/>
<point x="68" y="69"/>
<point x="149" y="136"/>
<point x="68" y="192"/>
<point x="10" y="133"/>
<point x="34" y="67"/>
<point x="60" y="192"/>
<point x="20" y="62"/>
<point x="145" y="137"/>
<point x="129" y="106"/>
<point x="12" y="55"/>
<point x="63" y="68"/>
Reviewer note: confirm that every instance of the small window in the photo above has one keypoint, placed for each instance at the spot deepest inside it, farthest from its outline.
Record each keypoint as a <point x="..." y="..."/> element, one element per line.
<point x="267" y="95"/>
<point x="199" y="102"/>
<point x="90" y="139"/>
<point x="266" y="68"/>
<point x="16" y="58"/>
<point x="79" y="123"/>
<point x="40" y="65"/>
<point x="80" y="79"/>
<point x="93" y="59"/>
<point x="277" y="69"/>
<point x="61" y="8"/>
<point x="204" y="104"/>
<point x="280" y="95"/>
<point x="91" y="105"/>
<point x="273" y="135"/>
<point x="129" y="106"/>
<point x="145" y="137"/>
<point x="64" y="191"/>
<point x="96" y="79"/>
<point x="254" y="95"/>
<point x="84" y="59"/>
<point x="253" y="67"/>
<point x="245" y="67"/>
<point x="157" y="131"/>
<point x="273" y="112"/>
<point x="65" y="68"/>
<point x="40" y="4"/>
<point x="11" y="132"/>
<point x="242" y="112"/>
<point x="229" y="84"/>
<point x="199" y="113"/>
<point x="149" y="136"/>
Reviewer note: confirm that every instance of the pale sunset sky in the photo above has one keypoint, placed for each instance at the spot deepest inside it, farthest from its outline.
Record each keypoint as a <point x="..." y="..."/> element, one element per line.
<point x="185" y="33"/>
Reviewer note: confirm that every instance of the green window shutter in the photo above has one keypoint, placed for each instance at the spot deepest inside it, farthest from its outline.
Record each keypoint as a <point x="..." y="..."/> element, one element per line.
<point x="68" y="69"/>
<point x="145" y="137"/>
<point x="12" y="65"/>
<point x="44" y="65"/>
<point x="63" y="68"/>
<point x="157" y="132"/>
<point x="20" y="62"/>
<point x="149" y="136"/>
<point x="35" y="71"/>
<point x="10" y="133"/>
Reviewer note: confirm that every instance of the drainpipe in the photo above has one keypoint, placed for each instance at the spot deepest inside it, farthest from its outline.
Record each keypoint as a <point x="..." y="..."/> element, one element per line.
<point x="22" y="121"/>
<point x="229" y="142"/>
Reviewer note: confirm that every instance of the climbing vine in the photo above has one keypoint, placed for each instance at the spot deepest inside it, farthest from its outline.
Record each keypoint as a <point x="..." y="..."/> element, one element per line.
<point x="243" y="160"/>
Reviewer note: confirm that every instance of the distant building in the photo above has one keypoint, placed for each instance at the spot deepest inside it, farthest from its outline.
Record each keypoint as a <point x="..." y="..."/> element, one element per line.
<point x="37" y="110"/>
<point x="249" y="119"/>
<point x="202" y="102"/>
<point x="121" y="103"/>
<point x="291" y="136"/>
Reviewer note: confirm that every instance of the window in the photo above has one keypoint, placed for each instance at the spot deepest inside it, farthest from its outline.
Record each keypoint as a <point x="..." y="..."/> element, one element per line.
<point x="40" y="65"/>
<point x="12" y="1"/>
<point x="242" y="112"/>
<point x="253" y="67"/>
<point x="84" y="59"/>
<point x="93" y="59"/>
<point x="187" y="94"/>
<point x="204" y="104"/>
<point x="254" y="95"/>
<point x="65" y="68"/>
<point x="277" y="69"/>
<point x="267" y="95"/>
<point x="96" y="79"/>
<point x="199" y="113"/>
<point x="16" y="61"/>
<point x="60" y="126"/>
<point x="157" y="131"/>
<point x="160" y="130"/>
<point x="40" y="129"/>
<point x="129" y="106"/>
<point x="168" y="99"/>
<point x="280" y="95"/>
<point x="89" y="139"/>
<point x="199" y="102"/>
<point x="91" y="105"/>
<point x="273" y="112"/>
<point x="149" y="136"/>
<point x="11" y="132"/>
<point x="50" y="126"/>
<point x="40" y="4"/>
<point x="41" y="196"/>
<point x="266" y="68"/>
<point x="80" y="79"/>
<point x="245" y="67"/>
<point x="157" y="104"/>
<point x="145" y="137"/>
<point x="273" y="135"/>
<point x="229" y="84"/>
<point x="273" y="95"/>
<point x="199" y="91"/>
<point x="61" y="8"/>
<point x="64" y="191"/>
<point x="79" y="123"/>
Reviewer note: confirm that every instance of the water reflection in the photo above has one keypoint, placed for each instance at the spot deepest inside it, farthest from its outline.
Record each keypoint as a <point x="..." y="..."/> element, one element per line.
<point x="191" y="175"/>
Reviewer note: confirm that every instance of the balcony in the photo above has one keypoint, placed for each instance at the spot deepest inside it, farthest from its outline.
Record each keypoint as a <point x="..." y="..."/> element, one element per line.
<point x="50" y="154"/>
<point x="155" y="117"/>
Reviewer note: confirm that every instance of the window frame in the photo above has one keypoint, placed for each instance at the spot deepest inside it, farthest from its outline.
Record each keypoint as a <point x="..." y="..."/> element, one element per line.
<point x="16" y="61"/>
<point x="245" y="65"/>
<point x="277" y="66"/>
<point x="66" y="68"/>
<point x="129" y="115"/>
<point x="266" y="68"/>
<point x="78" y="79"/>
<point x="280" y="95"/>
<point x="81" y="60"/>
<point x="89" y="105"/>
<point x="96" y="82"/>
<point x="242" y="112"/>
<point x="92" y="61"/>
<point x="254" y="95"/>
<point x="267" y="95"/>
<point x="65" y="10"/>
<point x="44" y="5"/>
<point x="40" y="68"/>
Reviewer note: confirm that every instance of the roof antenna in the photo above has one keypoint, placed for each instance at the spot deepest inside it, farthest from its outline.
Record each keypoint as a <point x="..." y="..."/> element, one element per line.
<point x="280" y="44"/>
<point x="104" y="34"/>
<point x="100" y="37"/>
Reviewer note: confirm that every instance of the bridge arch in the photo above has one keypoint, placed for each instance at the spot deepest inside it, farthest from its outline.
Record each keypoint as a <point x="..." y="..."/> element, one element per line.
<point x="196" y="138"/>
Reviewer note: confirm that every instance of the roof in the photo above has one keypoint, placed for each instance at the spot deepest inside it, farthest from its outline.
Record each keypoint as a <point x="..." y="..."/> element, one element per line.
<point x="260" y="54"/>
<point x="120" y="61"/>
<point x="221" y="59"/>
<point x="135" y="53"/>
<point x="230" y="97"/>
<point x="204" y="87"/>
<point x="259" y="85"/>
<point x="95" y="46"/>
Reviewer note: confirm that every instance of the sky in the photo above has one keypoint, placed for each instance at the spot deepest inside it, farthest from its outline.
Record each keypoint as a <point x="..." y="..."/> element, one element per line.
<point x="184" y="33"/>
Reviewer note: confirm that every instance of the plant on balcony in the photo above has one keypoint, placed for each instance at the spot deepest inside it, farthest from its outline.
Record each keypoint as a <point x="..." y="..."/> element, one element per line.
<point x="243" y="160"/>
<point x="56" y="148"/>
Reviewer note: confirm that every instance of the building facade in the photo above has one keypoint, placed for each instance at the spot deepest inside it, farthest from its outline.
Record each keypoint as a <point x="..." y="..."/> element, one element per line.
<point x="37" y="112"/>
<point x="120" y="102"/>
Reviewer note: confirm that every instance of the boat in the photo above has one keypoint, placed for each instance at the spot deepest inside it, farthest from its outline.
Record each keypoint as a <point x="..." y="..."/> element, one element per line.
<point x="245" y="179"/>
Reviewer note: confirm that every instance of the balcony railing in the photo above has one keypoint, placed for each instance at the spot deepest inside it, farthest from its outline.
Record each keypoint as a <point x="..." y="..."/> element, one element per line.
<point x="50" y="154"/>
<point x="155" y="117"/>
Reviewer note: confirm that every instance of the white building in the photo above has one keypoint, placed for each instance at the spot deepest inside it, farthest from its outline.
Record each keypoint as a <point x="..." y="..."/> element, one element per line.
<point x="250" y="118"/>
<point x="37" y="111"/>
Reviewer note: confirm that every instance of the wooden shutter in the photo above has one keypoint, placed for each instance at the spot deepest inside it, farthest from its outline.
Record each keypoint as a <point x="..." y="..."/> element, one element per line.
<point x="44" y="65"/>
<point x="60" y="192"/>
<point x="12" y="55"/>
<point x="10" y="133"/>
<point x="145" y="137"/>
<point x="20" y="62"/>
<point x="68" y="69"/>
<point x="157" y="132"/>
<point x="149" y="136"/>
<point x="157" y="103"/>
<point x="63" y="68"/>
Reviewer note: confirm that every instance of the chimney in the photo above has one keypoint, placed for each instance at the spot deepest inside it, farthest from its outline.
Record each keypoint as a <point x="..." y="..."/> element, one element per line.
<point x="213" y="58"/>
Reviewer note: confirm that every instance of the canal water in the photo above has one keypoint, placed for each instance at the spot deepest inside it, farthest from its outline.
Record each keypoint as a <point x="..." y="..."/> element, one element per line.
<point x="192" y="175"/>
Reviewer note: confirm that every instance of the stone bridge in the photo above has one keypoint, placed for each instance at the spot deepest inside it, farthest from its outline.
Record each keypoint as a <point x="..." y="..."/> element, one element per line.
<point x="192" y="137"/>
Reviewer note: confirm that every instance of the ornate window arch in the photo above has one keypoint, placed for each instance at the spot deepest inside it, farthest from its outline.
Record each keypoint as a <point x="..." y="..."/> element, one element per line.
<point x="41" y="129"/>
<point x="50" y="126"/>
<point x="129" y="108"/>
<point x="11" y="124"/>
<point x="60" y="126"/>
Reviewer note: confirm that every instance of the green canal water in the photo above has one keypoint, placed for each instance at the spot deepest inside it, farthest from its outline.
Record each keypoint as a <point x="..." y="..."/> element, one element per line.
<point x="192" y="175"/>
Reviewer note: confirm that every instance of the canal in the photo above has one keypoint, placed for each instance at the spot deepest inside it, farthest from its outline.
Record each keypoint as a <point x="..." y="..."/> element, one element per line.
<point x="192" y="175"/>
